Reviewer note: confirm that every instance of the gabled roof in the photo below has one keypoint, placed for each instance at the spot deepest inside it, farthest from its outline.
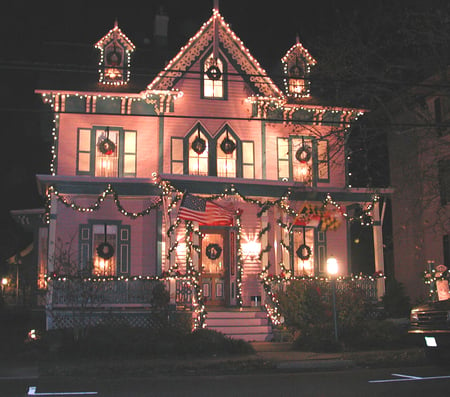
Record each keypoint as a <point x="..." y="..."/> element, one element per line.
<point x="115" y="33"/>
<point x="298" y="50"/>
<point x="229" y="42"/>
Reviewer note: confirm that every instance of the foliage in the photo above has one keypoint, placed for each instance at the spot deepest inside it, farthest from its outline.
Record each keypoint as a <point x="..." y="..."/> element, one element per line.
<point x="396" y="302"/>
<point x="308" y="312"/>
<point x="160" y="296"/>
<point x="135" y="342"/>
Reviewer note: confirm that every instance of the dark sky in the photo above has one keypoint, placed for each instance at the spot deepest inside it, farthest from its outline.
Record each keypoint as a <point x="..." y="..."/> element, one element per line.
<point x="268" y="30"/>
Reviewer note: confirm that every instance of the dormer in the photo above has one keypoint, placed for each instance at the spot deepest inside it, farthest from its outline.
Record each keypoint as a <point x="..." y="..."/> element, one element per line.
<point x="297" y="65"/>
<point x="115" y="56"/>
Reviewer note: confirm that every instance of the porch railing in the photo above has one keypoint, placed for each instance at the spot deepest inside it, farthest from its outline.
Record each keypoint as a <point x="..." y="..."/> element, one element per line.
<point x="86" y="293"/>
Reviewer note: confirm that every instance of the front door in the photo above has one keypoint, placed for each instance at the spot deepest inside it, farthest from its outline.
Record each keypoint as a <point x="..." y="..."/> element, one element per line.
<point x="215" y="266"/>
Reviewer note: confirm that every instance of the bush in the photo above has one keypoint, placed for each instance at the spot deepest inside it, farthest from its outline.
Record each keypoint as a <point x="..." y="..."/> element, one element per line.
<point x="396" y="303"/>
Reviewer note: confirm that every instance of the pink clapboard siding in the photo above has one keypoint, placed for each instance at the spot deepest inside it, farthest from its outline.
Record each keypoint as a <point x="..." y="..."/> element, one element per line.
<point x="143" y="229"/>
<point x="147" y="139"/>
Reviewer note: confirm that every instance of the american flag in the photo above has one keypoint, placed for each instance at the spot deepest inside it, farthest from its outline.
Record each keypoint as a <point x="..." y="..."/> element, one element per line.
<point x="205" y="212"/>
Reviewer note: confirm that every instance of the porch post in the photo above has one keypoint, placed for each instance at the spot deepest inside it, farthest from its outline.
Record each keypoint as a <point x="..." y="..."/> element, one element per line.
<point x="265" y="255"/>
<point x="378" y="247"/>
<point x="51" y="259"/>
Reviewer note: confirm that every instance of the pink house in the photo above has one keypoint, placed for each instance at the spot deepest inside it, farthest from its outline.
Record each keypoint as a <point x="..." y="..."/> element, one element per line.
<point x="211" y="178"/>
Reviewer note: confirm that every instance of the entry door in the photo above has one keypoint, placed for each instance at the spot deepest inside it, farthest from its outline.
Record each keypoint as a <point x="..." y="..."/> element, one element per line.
<point x="215" y="266"/>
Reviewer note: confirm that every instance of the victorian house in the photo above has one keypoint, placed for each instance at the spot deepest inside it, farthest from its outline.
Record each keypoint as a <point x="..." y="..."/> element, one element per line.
<point x="210" y="178"/>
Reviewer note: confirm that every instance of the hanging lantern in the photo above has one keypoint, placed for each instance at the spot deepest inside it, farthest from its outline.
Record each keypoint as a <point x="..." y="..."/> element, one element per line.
<point x="227" y="145"/>
<point x="198" y="145"/>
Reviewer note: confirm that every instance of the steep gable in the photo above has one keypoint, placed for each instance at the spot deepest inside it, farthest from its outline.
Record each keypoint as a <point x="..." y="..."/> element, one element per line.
<point x="230" y="44"/>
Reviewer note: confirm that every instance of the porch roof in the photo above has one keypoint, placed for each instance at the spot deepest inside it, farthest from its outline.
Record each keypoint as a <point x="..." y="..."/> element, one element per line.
<point x="207" y="185"/>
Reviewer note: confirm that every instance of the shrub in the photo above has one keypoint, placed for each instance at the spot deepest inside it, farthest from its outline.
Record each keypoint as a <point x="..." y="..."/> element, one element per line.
<point x="396" y="303"/>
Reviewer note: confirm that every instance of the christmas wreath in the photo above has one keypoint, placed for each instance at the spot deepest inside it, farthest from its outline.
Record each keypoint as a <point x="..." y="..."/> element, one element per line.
<point x="105" y="250"/>
<point x="106" y="146"/>
<point x="214" y="73"/>
<point x="303" y="154"/>
<point x="198" y="145"/>
<point x="213" y="251"/>
<point x="304" y="252"/>
<point x="227" y="145"/>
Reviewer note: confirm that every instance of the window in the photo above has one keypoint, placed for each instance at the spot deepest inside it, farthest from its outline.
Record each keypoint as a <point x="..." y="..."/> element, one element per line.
<point x="106" y="152"/>
<point x="105" y="248"/>
<point x="176" y="154"/>
<point x="213" y="78"/>
<point x="308" y="251"/>
<point x="303" y="159"/>
<point x="444" y="181"/>
<point x="198" y="153"/>
<point x="248" y="160"/>
<point x="323" y="172"/>
<point x="226" y="155"/>
<point x="296" y="81"/>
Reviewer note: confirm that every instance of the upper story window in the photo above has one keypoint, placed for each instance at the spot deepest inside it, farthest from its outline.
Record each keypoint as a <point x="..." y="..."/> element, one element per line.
<point x="303" y="159"/>
<point x="106" y="152"/>
<point x="198" y="153"/>
<point x="224" y="155"/>
<point x="213" y="78"/>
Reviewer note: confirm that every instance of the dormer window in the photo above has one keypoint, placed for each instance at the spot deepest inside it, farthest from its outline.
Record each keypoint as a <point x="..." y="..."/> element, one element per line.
<point x="296" y="80"/>
<point x="114" y="63"/>
<point x="297" y="66"/>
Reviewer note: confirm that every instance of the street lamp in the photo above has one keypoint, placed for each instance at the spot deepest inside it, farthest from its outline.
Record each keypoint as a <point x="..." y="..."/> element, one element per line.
<point x="332" y="269"/>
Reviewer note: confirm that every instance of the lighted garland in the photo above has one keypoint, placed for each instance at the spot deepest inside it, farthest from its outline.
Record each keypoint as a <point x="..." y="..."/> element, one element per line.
<point x="239" y="266"/>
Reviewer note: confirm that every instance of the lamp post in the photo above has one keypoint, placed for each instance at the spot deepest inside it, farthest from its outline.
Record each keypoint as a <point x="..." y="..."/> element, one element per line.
<point x="332" y="269"/>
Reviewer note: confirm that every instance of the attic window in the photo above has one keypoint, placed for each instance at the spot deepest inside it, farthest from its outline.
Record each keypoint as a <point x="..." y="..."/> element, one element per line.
<point x="213" y="78"/>
<point x="296" y="80"/>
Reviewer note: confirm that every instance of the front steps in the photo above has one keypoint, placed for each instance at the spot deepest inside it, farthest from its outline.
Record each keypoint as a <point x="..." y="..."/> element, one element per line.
<point x="249" y="325"/>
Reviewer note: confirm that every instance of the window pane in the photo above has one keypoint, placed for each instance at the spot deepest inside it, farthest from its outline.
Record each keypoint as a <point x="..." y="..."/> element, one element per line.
<point x="303" y="267"/>
<point x="84" y="160"/>
<point x="102" y="266"/>
<point x="177" y="149"/>
<point x="107" y="164"/>
<point x="84" y="143"/>
<point x="198" y="162"/>
<point x="283" y="169"/>
<point x="248" y="171"/>
<point x="247" y="152"/>
<point x="323" y="170"/>
<point x="130" y="142"/>
<point x="322" y="150"/>
<point x="283" y="149"/>
<point x="129" y="164"/>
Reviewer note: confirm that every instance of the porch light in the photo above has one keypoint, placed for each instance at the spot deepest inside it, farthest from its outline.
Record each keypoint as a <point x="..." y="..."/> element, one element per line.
<point x="332" y="269"/>
<point x="4" y="282"/>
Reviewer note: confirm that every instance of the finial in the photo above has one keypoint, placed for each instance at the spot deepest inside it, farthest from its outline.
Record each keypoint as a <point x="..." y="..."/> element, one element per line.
<point x="216" y="5"/>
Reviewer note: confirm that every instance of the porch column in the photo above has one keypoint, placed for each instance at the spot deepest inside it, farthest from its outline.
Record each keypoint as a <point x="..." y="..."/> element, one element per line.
<point x="265" y="255"/>
<point x="378" y="247"/>
<point x="51" y="258"/>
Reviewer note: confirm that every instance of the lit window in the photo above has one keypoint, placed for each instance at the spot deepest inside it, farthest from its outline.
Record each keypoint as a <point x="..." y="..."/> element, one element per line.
<point x="106" y="160"/>
<point x="303" y="255"/>
<point x="105" y="249"/>
<point x="213" y="78"/>
<point x="226" y="156"/>
<point x="198" y="154"/>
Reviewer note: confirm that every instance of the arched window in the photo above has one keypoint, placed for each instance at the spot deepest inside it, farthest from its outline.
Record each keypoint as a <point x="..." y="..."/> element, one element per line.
<point x="198" y="153"/>
<point x="227" y="149"/>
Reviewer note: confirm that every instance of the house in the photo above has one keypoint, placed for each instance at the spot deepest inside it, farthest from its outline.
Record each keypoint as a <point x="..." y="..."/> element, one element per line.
<point x="210" y="178"/>
<point x="420" y="169"/>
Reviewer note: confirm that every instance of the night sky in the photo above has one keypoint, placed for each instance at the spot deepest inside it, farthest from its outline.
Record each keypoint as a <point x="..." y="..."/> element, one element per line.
<point x="268" y="31"/>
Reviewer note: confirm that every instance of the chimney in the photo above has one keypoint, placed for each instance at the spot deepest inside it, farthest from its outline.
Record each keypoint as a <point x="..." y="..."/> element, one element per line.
<point x="160" y="32"/>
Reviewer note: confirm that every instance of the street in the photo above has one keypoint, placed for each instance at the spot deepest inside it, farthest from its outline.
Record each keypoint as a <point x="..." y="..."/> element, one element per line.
<point x="398" y="382"/>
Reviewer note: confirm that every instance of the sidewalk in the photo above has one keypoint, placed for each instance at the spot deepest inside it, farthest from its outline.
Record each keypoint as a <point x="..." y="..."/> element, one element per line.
<point x="269" y="357"/>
